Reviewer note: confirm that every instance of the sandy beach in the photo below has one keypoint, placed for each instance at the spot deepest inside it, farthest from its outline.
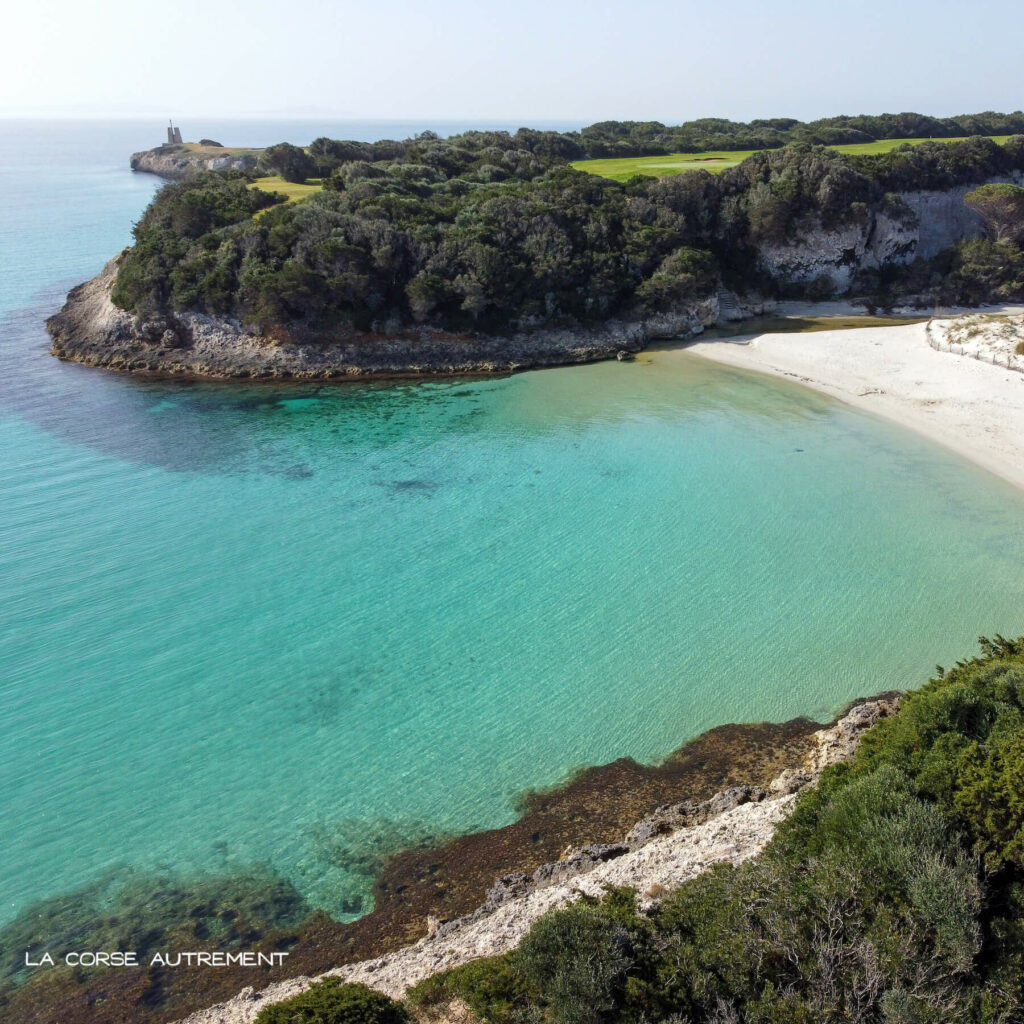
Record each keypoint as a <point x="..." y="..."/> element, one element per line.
<point x="972" y="407"/>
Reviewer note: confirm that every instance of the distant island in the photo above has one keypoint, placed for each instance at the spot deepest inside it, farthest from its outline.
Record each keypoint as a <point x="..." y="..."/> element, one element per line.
<point x="491" y="251"/>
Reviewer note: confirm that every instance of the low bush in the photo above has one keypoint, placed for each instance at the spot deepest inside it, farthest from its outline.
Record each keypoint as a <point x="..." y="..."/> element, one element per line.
<point x="332" y="1002"/>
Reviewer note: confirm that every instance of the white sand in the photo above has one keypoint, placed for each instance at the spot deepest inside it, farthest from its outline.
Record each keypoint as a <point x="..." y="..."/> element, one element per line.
<point x="974" y="408"/>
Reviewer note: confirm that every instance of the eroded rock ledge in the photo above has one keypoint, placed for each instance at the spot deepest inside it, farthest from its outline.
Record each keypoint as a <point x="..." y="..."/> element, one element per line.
<point x="659" y="853"/>
<point x="89" y="329"/>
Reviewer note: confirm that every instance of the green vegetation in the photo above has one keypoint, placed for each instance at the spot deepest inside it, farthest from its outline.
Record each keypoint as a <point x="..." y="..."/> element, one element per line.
<point x="177" y="239"/>
<point x="492" y="232"/>
<point x="624" y="168"/>
<point x="1001" y="206"/>
<point x="969" y="274"/>
<point x="293" y="164"/>
<point x="888" y="145"/>
<point x="331" y="1002"/>
<point x="709" y="134"/>
<point x="205" y="150"/>
<point x="894" y="893"/>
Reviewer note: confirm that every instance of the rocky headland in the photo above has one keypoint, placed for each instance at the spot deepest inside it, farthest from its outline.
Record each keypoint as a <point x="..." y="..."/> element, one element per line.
<point x="90" y="329"/>
<point x="660" y="852"/>
<point x="175" y="162"/>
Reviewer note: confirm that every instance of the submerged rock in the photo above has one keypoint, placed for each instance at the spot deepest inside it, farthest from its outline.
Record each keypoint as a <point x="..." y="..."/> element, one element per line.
<point x="674" y="844"/>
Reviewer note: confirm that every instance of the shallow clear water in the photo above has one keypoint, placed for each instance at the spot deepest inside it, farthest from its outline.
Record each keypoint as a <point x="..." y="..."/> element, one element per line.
<point x="259" y="623"/>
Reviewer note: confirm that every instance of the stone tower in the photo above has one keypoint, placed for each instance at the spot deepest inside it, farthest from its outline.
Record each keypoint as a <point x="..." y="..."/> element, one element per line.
<point x="173" y="134"/>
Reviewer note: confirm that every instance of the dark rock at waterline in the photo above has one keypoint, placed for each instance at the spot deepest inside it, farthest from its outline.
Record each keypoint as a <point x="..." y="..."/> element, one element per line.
<point x="509" y="887"/>
<point x="686" y="814"/>
<point x="596" y="808"/>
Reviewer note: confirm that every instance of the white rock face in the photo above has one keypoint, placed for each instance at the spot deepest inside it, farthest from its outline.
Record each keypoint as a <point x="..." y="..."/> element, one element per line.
<point x="174" y="163"/>
<point x="937" y="220"/>
<point x="653" y="866"/>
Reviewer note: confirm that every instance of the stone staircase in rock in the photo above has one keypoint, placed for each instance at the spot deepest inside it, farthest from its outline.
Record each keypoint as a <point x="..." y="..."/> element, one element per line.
<point x="728" y="307"/>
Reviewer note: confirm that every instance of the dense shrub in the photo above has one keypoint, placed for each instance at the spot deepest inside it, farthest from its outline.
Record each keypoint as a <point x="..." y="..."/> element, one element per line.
<point x="492" y="231"/>
<point x="493" y="988"/>
<point x="650" y="138"/>
<point x="183" y="257"/>
<point x="968" y="274"/>
<point x="934" y="165"/>
<point x="331" y="1002"/>
<point x="682" y="277"/>
<point x="290" y="162"/>
<point x="573" y="963"/>
<point x="983" y="271"/>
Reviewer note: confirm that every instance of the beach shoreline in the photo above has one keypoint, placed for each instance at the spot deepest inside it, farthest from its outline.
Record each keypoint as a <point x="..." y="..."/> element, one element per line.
<point x="970" y="407"/>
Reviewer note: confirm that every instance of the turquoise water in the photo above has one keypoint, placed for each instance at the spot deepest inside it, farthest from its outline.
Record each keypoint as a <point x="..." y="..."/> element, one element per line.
<point x="249" y="624"/>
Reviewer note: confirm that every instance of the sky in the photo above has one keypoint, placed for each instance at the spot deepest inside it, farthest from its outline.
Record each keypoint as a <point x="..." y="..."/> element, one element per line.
<point x="545" y="60"/>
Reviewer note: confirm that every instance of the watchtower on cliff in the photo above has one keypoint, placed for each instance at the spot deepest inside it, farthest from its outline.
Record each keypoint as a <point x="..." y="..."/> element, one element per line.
<point x="173" y="134"/>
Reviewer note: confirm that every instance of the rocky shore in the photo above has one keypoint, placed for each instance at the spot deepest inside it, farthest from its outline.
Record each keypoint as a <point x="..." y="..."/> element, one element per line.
<point x="90" y="329"/>
<point x="420" y="886"/>
<point x="675" y="843"/>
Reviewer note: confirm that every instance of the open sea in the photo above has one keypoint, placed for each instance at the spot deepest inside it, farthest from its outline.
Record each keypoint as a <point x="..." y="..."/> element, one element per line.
<point x="281" y="625"/>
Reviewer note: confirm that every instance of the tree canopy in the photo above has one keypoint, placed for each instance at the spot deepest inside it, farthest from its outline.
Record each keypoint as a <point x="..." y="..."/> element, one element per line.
<point x="492" y="231"/>
<point x="290" y="162"/>
<point x="1001" y="206"/>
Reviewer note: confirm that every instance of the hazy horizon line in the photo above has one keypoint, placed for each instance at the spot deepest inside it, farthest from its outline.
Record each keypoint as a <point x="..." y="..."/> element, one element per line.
<point x="524" y="121"/>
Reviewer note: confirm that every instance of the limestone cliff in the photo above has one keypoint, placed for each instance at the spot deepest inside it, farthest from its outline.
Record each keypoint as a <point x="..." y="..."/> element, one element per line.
<point x="90" y="329"/>
<point x="918" y="226"/>
<point x="174" y="162"/>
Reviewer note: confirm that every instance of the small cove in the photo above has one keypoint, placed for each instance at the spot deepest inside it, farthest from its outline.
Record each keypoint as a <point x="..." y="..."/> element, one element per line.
<point x="302" y="627"/>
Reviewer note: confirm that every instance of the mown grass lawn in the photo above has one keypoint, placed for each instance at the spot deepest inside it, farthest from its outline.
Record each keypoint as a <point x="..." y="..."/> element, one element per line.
<point x="885" y="145"/>
<point x="194" y="147"/>
<point x="623" y="168"/>
<point x="294" y="192"/>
